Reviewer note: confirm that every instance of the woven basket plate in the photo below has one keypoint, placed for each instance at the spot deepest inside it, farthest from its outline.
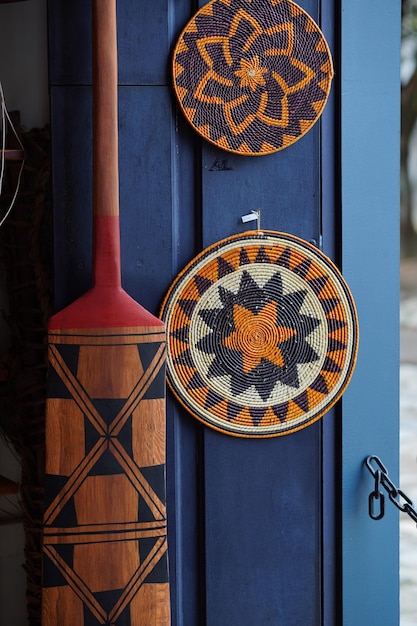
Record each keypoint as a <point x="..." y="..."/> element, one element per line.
<point x="262" y="335"/>
<point x="252" y="77"/>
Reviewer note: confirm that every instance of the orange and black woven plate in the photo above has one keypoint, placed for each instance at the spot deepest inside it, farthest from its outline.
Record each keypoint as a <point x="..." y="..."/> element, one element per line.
<point x="252" y="76"/>
<point x="262" y="335"/>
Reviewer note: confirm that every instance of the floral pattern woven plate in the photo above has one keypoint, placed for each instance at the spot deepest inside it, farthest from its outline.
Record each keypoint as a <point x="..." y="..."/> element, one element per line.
<point x="252" y="76"/>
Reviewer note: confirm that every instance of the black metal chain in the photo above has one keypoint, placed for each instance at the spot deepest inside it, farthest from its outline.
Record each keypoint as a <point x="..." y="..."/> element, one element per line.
<point x="376" y="497"/>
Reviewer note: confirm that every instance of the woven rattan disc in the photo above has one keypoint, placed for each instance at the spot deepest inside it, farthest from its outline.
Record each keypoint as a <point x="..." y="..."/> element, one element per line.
<point x="262" y="335"/>
<point x="252" y="76"/>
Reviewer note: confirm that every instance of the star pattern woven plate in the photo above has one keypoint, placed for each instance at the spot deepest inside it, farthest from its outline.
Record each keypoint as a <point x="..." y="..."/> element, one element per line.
<point x="252" y="77"/>
<point x="262" y="335"/>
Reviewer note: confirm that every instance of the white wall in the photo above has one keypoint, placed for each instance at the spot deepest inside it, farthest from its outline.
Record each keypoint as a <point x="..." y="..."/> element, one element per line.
<point x="24" y="77"/>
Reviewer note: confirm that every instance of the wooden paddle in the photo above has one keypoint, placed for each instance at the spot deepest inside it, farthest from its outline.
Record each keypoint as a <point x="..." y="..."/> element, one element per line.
<point x="105" y="544"/>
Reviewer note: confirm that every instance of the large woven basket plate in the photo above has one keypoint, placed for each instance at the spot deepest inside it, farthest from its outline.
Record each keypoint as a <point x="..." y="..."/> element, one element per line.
<point x="252" y="77"/>
<point x="262" y="335"/>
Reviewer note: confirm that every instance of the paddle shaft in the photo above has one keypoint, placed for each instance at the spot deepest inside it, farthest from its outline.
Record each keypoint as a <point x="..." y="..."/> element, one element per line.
<point x="105" y="547"/>
<point x="106" y="237"/>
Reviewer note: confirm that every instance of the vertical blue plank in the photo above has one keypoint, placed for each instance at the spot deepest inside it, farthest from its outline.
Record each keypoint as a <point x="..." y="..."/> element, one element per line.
<point x="284" y="186"/>
<point x="69" y="42"/>
<point x="263" y="507"/>
<point x="263" y="498"/>
<point x="263" y="513"/>
<point x="146" y="192"/>
<point x="72" y="191"/>
<point x="370" y="202"/>
<point x="143" y="42"/>
<point x="331" y="425"/>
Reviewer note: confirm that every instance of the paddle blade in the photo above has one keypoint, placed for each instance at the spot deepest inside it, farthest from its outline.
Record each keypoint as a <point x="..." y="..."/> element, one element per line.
<point x="105" y="543"/>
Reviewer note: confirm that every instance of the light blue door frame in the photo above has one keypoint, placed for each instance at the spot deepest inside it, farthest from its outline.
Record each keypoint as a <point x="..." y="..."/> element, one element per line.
<point x="370" y="126"/>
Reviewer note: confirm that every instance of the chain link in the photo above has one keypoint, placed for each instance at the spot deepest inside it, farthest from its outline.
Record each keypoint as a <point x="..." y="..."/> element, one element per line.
<point x="396" y="495"/>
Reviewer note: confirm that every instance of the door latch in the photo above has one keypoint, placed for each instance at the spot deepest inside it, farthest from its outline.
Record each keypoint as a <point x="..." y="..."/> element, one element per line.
<point x="376" y="500"/>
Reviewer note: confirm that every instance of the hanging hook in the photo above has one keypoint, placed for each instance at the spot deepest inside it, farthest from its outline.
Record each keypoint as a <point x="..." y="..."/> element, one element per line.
<point x="253" y="215"/>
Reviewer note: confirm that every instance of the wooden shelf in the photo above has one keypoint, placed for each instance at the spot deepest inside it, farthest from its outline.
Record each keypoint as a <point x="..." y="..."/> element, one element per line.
<point x="7" y="486"/>
<point x="13" y="155"/>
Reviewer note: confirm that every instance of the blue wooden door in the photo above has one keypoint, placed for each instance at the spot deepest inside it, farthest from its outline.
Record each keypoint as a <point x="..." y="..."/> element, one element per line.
<point x="252" y="523"/>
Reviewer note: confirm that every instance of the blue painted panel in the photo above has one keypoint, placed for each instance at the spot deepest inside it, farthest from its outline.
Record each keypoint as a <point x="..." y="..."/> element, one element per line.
<point x="263" y="498"/>
<point x="143" y="42"/>
<point x="69" y="42"/>
<point x="263" y="560"/>
<point x="331" y="425"/>
<point x="284" y="186"/>
<point x="370" y="197"/>
<point x="145" y="33"/>
<point x="72" y="191"/>
<point x="146" y="192"/>
<point x="146" y="186"/>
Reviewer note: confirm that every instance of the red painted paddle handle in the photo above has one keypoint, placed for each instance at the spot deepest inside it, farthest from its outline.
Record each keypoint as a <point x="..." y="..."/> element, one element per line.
<point x="106" y="230"/>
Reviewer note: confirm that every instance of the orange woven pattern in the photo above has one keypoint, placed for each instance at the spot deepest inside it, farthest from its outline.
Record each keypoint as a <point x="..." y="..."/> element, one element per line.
<point x="252" y="77"/>
<point x="262" y="335"/>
